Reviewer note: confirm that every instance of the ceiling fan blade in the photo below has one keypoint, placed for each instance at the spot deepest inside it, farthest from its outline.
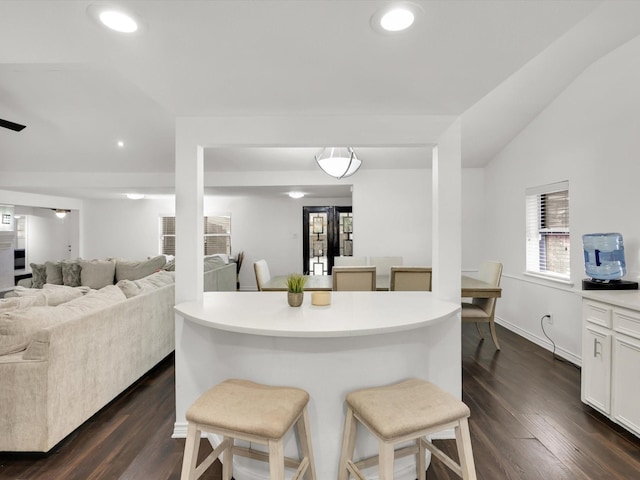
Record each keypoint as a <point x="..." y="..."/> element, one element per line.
<point x="11" y="126"/>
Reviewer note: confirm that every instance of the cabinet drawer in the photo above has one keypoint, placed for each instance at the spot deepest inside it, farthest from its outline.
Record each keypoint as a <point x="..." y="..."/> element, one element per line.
<point x="598" y="313"/>
<point x="627" y="322"/>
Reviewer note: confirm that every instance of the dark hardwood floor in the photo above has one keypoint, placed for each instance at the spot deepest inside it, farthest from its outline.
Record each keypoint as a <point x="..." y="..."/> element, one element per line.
<point x="527" y="422"/>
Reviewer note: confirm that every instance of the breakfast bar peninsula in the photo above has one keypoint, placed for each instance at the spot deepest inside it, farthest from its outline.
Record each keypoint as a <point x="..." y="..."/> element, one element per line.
<point x="361" y="339"/>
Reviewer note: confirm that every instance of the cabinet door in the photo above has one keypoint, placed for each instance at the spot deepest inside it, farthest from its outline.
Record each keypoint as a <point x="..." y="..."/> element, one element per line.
<point x="626" y="382"/>
<point x="596" y="367"/>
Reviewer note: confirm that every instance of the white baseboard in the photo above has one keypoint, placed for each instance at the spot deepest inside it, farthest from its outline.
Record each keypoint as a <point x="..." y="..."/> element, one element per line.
<point x="542" y="342"/>
<point x="179" y="430"/>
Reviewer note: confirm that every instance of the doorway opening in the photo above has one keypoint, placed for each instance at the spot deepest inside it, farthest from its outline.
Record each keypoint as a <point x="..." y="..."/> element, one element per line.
<point x="327" y="232"/>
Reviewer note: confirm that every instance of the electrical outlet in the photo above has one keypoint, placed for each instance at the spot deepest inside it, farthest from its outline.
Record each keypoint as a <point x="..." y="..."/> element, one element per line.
<point x="550" y="318"/>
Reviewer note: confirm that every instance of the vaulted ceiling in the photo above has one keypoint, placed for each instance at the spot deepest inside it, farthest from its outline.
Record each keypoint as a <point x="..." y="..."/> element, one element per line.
<point x="80" y="88"/>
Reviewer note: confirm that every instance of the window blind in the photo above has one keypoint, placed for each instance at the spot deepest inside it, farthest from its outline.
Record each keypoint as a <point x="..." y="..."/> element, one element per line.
<point x="217" y="235"/>
<point x="547" y="230"/>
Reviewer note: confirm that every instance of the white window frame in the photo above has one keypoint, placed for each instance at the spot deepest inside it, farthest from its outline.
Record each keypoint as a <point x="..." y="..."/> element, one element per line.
<point x="206" y="236"/>
<point x="537" y="257"/>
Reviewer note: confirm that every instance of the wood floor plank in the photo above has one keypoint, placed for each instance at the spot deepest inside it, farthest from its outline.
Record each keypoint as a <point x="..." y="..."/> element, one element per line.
<point x="527" y="423"/>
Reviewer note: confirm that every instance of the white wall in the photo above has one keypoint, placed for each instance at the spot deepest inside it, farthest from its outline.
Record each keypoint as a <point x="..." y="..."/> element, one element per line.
<point x="124" y="228"/>
<point x="392" y="211"/>
<point x="49" y="237"/>
<point x="589" y="136"/>
<point x="392" y="214"/>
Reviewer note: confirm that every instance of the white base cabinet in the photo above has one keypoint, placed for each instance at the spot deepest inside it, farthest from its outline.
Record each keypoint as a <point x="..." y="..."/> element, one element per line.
<point x="611" y="355"/>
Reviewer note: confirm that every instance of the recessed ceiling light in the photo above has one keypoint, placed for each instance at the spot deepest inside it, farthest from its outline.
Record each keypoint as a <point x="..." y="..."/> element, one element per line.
<point x="120" y="143"/>
<point x="116" y="18"/>
<point x="135" y="196"/>
<point x="397" y="19"/>
<point x="118" y="21"/>
<point x="296" y="194"/>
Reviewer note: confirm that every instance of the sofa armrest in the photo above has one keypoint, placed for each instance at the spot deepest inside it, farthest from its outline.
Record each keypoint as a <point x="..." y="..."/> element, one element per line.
<point x="25" y="282"/>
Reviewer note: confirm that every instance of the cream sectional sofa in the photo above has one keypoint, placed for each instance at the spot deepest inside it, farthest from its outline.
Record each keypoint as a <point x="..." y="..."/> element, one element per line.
<point x="220" y="275"/>
<point x="63" y="363"/>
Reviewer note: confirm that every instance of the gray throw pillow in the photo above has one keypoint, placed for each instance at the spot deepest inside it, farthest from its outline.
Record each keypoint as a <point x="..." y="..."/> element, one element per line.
<point x="39" y="275"/>
<point x="54" y="272"/>
<point x="97" y="273"/>
<point x="71" y="273"/>
<point x="134" y="270"/>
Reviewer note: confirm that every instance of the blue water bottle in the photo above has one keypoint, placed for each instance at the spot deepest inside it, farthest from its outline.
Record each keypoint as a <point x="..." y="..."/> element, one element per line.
<point x="604" y="256"/>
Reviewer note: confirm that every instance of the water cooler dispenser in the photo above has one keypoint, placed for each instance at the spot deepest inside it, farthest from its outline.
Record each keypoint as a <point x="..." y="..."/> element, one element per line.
<point x="604" y="262"/>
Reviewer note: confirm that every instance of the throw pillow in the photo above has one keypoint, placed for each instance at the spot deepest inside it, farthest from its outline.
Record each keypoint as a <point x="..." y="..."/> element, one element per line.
<point x="170" y="266"/>
<point x="39" y="275"/>
<point x="71" y="273"/>
<point x="129" y="288"/>
<point x="54" y="272"/>
<point x="134" y="270"/>
<point x="97" y="273"/>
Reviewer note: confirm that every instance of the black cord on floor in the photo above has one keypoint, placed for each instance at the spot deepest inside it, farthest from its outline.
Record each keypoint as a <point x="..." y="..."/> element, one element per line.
<point x="555" y="357"/>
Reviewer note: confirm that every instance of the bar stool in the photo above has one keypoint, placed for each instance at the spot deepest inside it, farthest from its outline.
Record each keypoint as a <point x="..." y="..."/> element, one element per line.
<point x="244" y="410"/>
<point x="402" y="412"/>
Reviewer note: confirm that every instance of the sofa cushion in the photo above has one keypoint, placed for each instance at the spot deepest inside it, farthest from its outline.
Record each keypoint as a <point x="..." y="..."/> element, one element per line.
<point x="71" y="273"/>
<point x="134" y="270"/>
<point x="17" y="303"/>
<point x="212" y="262"/>
<point x="157" y="280"/>
<point x="39" y="275"/>
<point x="97" y="273"/>
<point x="54" y="272"/>
<point x="54" y="294"/>
<point x="94" y="300"/>
<point x="17" y="327"/>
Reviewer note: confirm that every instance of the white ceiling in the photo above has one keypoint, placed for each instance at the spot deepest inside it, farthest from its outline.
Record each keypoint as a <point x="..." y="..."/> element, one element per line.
<point x="79" y="87"/>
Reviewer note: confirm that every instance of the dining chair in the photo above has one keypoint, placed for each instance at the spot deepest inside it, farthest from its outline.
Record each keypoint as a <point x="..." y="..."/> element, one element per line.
<point x="410" y="279"/>
<point x="354" y="279"/>
<point x="383" y="264"/>
<point x="342" y="261"/>
<point x="261" y="270"/>
<point x="482" y="310"/>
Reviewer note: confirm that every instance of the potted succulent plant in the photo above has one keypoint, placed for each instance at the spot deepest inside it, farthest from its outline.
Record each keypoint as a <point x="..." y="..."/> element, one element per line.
<point x="295" y="289"/>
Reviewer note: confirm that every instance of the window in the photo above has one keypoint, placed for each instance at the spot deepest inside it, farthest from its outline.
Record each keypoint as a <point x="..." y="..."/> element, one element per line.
<point x="217" y="235"/>
<point x="547" y="216"/>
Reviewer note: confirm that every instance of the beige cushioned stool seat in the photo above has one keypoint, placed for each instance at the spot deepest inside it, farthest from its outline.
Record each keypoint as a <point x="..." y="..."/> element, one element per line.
<point x="262" y="414"/>
<point x="397" y="410"/>
<point x="410" y="410"/>
<point x="248" y="407"/>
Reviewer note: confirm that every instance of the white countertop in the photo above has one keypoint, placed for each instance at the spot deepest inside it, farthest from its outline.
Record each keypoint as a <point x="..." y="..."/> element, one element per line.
<point x="350" y="313"/>
<point x="623" y="298"/>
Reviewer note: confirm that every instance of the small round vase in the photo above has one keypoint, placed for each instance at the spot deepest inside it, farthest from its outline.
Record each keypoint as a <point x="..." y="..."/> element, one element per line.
<point x="295" y="299"/>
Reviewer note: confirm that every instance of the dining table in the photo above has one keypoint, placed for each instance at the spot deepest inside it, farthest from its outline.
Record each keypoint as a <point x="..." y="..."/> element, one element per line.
<point x="471" y="287"/>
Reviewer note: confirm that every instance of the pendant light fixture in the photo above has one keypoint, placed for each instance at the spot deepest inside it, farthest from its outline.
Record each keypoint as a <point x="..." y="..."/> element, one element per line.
<point x="339" y="162"/>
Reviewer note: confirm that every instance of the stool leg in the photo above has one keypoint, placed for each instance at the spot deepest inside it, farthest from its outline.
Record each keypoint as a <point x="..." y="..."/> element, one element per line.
<point x="227" y="459"/>
<point x="386" y="460"/>
<point x="465" y="452"/>
<point x="304" y="435"/>
<point x="421" y="464"/>
<point x="348" y="444"/>
<point x="191" y="448"/>
<point x="276" y="460"/>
